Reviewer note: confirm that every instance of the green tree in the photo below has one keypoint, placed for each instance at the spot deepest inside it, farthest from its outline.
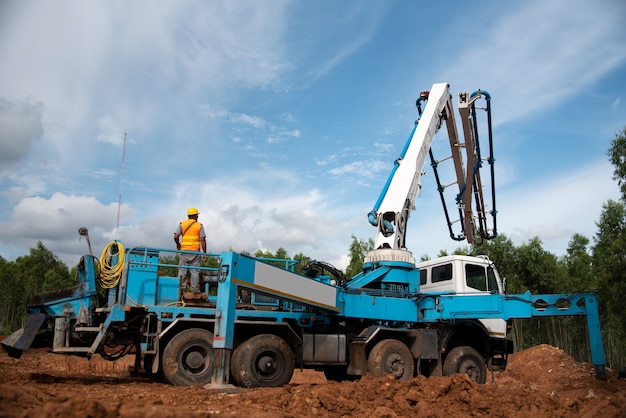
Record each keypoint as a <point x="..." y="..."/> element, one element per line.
<point x="579" y="264"/>
<point x="461" y="251"/>
<point x="263" y="254"/>
<point x="38" y="272"/>
<point x="281" y="256"/>
<point x="617" y="157"/>
<point x="167" y="265"/>
<point x="302" y="260"/>
<point x="538" y="269"/>
<point x="504" y="255"/>
<point x="358" y="249"/>
<point x="609" y="268"/>
<point x="10" y="310"/>
<point x="542" y="272"/>
<point x="42" y="271"/>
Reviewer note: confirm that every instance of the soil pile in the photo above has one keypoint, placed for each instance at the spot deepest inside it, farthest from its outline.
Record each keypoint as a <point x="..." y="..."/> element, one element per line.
<point x="542" y="381"/>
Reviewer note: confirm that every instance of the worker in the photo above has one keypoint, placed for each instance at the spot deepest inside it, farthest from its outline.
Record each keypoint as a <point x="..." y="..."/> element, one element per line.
<point x="193" y="239"/>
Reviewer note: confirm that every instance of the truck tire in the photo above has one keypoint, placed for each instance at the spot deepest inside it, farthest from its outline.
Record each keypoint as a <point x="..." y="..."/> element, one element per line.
<point x="264" y="360"/>
<point x="234" y="361"/>
<point x="467" y="360"/>
<point x="189" y="358"/>
<point x="391" y="357"/>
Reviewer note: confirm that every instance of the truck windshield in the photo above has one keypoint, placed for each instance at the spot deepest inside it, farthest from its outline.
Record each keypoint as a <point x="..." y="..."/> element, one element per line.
<point x="475" y="277"/>
<point x="479" y="278"/>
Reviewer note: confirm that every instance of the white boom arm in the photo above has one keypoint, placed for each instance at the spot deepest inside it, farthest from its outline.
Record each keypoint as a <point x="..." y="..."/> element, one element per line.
<point x="397" y="200"/>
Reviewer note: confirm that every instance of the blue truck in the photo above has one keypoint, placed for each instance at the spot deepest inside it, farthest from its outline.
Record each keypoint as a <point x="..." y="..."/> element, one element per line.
<point x="259" y="319"/>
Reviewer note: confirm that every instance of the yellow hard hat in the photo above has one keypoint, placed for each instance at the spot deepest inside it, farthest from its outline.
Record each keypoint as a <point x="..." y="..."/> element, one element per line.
<point x="192" y="211"/>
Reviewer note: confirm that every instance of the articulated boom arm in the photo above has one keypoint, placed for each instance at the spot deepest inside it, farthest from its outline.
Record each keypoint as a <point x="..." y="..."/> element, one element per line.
<point x="397" y="199"/>
<point x="391" y="212"/>
<point x="471" y="187"/>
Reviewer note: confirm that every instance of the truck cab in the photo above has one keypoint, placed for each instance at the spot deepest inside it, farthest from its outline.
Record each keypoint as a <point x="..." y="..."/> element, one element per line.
<point x="460" y="274"/>
<point x="467" y="275"/>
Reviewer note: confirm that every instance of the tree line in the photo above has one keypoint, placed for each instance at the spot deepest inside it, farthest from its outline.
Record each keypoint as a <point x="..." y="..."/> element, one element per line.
<point x="598" y="265"/>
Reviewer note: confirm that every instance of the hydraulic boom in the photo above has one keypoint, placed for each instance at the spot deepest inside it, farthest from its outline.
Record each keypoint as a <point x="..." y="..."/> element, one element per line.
<point x="392" y="209"/>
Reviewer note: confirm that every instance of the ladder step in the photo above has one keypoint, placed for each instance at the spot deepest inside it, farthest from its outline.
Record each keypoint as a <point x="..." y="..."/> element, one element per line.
<point x="87" y="329"/>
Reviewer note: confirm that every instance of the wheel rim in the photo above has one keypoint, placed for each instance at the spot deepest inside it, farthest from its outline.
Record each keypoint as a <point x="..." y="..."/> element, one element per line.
<point x="267" y="365"/>
<point x="188" y="358"/>
<point x="391" y="357"/>
<point x="469" y="367"/>
<point x="264" y="360"/>
<point x="395" y="366"/>
<point x="196" y="360"/>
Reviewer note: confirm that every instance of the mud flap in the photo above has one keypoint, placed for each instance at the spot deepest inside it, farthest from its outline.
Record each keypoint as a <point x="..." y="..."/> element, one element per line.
<point x="21" y="340"/>
<point x="358" y="359"/>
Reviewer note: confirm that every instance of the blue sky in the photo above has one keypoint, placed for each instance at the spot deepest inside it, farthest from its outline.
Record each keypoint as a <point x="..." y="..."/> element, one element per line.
<point x="280" y="120"/>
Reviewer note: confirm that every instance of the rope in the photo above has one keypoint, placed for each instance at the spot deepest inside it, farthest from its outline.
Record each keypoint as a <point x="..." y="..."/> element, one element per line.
<point x="110" y="270"/>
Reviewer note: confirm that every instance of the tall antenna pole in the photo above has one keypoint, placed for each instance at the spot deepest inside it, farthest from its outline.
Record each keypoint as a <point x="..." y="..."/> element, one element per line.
<point x="119" y="201"/>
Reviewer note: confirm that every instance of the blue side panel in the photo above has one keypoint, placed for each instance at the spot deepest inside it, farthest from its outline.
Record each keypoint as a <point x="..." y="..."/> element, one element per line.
<point x="141" y="285"/>
<point x="365" y="279"/>
<point x="395" y="272"/>
<point x="365" y="306"/>
<point x="167" y="290"/>
<point x="442" y="307"/>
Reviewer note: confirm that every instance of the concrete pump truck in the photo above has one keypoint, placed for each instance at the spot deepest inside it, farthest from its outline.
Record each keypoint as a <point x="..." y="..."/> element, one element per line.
<point x="259" y="319"/>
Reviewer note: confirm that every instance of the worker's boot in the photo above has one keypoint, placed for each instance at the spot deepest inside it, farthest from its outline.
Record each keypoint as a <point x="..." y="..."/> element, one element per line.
<point x="187" y="295"/>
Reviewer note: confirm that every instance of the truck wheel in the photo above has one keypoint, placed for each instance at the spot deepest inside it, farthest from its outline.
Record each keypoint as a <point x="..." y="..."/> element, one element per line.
<point x="263" y="361"/>
<point x="467" y="360"/>
<point x="234" y="360"/>
<point x="391" y="357"/>
<point x="189" y="358"/>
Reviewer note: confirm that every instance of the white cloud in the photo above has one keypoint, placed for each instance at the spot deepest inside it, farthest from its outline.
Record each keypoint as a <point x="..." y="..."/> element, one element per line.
<point x="55" y="221"/>
<point x="361" y="169"/>
<point x="552" y="209"/>
<point x="358" y="22"/>
<point x="281" y="135"/>
<point x="110" y="131"/>
<point x="617" y="102"/>
<point x="537" y="55"/>
<point x="20" y="127"/>
<point x="328" y="159"/>
<point x="555" y="209"/>
<point x="254" y="126"/>
<point x="125" y="61"/>
<point x="147" y="68"/>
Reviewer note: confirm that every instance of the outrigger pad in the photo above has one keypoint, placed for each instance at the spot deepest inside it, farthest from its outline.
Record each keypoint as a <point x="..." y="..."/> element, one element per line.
<point x="21" y="340"/>
<point x="600" y="372"/>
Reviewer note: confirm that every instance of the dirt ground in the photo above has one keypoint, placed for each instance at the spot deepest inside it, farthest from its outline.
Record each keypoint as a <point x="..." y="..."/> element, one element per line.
<point x="542" y="381"/>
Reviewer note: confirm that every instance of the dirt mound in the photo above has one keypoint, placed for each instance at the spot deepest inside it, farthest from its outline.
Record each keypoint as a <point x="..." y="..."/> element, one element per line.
<point x="541" y="381"/>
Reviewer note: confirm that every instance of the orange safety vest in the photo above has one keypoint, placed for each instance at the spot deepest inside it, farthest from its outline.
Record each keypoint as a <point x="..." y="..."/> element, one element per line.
<point x="190" y="235"/>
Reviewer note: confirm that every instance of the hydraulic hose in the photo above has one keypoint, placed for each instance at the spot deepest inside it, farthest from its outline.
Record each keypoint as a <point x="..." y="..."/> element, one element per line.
<point x="111" y="265"/>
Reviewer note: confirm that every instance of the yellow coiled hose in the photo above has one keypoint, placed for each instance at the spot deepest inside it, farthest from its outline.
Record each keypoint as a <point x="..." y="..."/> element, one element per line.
<point x="111" y="265"/>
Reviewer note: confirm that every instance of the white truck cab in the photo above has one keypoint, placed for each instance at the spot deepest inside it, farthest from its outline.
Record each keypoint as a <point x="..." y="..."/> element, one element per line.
<point x="460" y="274"/>
<point x="464" y="275"/>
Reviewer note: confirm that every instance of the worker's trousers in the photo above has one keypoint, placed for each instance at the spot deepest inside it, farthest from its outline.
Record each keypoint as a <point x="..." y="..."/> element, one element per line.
<point x="186" y="264"/>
